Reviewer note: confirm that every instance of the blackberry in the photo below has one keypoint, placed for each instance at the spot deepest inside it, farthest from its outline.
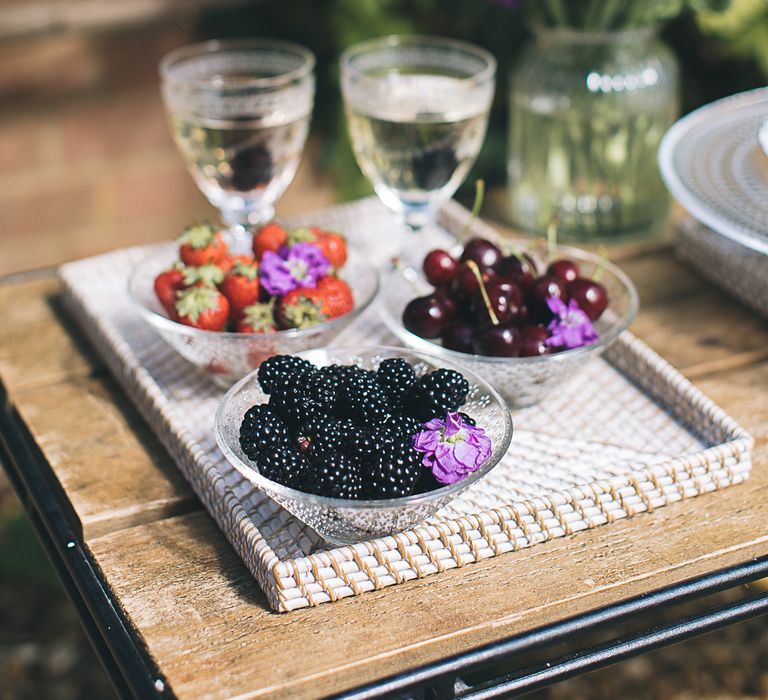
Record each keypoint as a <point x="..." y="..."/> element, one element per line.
<point x="364" y="443"/>
<point x="433" y="167"/>
<point x="294" y="406"/>
<point x="468" y="419"/>
<point x="284" y="465"/>
<point x="251" y="166"/>
<point x="395" y="376"/>
<point x="362" y="399"/>
<point x="426" y="481"/>
<point x="323" y="433"/>
<point x="261" y="428"/>
<point x="400" y="427"/>
<point x="322" y="389"/>
<point x="437" y="393"/>
<point x="395" y="472"/>
<point x="280" y="370"/>
<point x="337" y="475"/>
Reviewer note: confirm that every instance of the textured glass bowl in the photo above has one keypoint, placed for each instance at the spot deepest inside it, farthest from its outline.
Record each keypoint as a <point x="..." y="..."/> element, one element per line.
<point x="343" y="521"/>
<point x="522" y="381"/>
<point x="229" y="356"/>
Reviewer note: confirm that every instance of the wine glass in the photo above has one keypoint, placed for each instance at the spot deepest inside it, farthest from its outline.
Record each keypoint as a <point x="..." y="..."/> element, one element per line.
<point x="240" y="111"/>
<point x="417" y="110"/>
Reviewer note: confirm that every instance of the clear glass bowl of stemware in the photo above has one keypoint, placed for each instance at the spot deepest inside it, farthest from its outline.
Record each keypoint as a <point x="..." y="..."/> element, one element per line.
<point x="225" y="356"/>
<point x="344" y="521"/>
<point x="522" y="381"/>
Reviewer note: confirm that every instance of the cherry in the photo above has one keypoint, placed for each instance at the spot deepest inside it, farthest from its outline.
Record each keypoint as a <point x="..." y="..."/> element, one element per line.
<point x="482" y="251"/>
<point x="591" y="296"/>
<point x="505" y="298"/>
<point x="439" y="267"/>
<point x="532" y="341"/>
<point x="497" y="341"/>
<point x="544" y="288"/>
<point x="514" y="269"/>
<point x="425" y="317"/>
<point x="566" y="270"/>
<point x="464" y="284"/>
<point x="447" y="301"/>
<point x="457" y="335"/>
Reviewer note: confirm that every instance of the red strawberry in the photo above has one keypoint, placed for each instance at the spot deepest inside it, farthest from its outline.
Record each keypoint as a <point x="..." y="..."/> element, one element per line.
<point x="257" y="318"/>
<point x="333" y="245"/>
<point x="167" y="284"/>
<point x="301" y="308"/>
<point x="228" y="262"/>
<point x="241" y="287"/>
<point x="269" y="237"/>
<point x="202" y="307"/>
<point x="201" y="245"/>
<point x="208" y="275"/>
<point x="339" y="299"/>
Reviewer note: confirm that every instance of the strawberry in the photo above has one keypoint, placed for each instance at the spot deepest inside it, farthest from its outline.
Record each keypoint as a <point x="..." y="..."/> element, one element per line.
<point x="338" y="295"/>
<point x="241" y="287"/>
<point x="269" y="237"/>
<point x="301" y="308"/>
<point x="333" y="245"/>
<point x="167" y="284"/>
<point x="208" y="275"/>
<point x="228" y="262"/>
<point x="200" y="245"/>
<point x="257" y="318"/>
<point x="202" y="307"/>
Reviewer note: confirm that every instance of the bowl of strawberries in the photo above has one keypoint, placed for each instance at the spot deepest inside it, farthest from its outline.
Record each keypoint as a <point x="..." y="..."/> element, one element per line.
<point x="525" y="317"/>
<point x="225" y="309"/>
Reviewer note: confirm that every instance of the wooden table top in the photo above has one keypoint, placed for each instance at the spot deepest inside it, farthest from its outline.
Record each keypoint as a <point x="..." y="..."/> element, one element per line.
<point x="205" y="621"/>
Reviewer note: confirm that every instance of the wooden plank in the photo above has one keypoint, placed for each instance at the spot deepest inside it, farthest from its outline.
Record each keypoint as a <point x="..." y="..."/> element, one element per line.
<point x="207" y="625"/>
<point x="209" y="629"/>
<point x="40" y="343"/>
<point x="112" y="467"/>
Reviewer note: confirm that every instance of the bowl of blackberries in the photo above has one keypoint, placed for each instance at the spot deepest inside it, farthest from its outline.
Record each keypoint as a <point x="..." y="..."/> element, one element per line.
<point x="525" y="317"/>
<point x="225" y="305"/>
<point x="362" y="443"/>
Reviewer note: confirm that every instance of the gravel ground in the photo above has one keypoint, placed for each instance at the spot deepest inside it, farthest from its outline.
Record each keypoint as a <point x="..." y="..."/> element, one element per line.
<point x="45" y="654"/>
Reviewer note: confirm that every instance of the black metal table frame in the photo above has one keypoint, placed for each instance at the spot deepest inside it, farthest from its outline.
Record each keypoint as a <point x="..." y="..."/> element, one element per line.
<point x="134" y="673"/>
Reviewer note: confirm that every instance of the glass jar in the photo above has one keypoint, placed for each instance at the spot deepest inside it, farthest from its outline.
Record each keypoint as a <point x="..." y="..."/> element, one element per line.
<point x="587" y="113"/>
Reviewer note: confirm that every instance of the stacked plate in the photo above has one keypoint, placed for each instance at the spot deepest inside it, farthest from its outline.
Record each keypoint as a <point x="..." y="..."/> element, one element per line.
<point x="715" y="162"/>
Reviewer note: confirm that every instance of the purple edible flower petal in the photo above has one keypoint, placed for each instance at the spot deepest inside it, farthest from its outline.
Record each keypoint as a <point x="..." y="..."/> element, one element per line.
<point x="303" y="266"/>
<point x="571" y="327"/>
<point x="451" y="448"/>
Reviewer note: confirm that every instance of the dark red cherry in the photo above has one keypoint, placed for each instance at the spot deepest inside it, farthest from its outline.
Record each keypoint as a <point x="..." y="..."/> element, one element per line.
<point x="591" y="296"/>
<point x="544" y="288"/>
<point x="505" y="298"/>
<point x="497" y="341"/>
<point x="457" y="335"/>
<point x="514" y="269"/>
<point x="464" y="285"/>
<point x="482" y="251"/>
<point x="447" y="301"/>
<point x="439" y="267"/>
<point x="533" y="341"/>
<point x="425" y="317"/>
<point x="566" y="270"/>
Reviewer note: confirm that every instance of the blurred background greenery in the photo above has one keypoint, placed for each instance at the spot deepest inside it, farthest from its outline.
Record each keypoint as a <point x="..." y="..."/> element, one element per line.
<point x="81" y="128"/>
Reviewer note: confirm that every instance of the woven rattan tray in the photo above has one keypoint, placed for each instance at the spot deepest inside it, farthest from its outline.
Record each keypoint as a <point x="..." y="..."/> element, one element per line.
<point x="626" y="435"/>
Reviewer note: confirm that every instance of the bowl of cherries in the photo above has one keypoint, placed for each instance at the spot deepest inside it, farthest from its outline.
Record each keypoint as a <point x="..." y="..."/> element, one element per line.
<point x="525" y="317"/>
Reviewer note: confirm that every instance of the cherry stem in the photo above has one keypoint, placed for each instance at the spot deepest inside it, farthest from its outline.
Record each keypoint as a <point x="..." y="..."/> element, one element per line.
<point x="552" y="238"/>
<point x="397" y="264"/>
<point x="598" y="273"/>
<point x="476" y="205"/>
<point x="472" y="265"/>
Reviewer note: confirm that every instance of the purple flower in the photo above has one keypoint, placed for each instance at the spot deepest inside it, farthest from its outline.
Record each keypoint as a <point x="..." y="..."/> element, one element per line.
<point x="452" y="449"/>
<point x="301" y="266"/>
<point x="571" y="327"/>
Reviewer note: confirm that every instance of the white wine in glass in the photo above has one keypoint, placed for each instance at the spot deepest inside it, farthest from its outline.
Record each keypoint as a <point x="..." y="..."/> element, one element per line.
<point x="417" y="111"/>
<point x="240" y="113"/>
